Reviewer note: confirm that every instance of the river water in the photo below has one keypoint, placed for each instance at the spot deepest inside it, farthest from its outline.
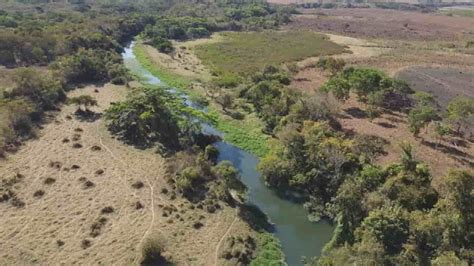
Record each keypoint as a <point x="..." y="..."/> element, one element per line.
<point x="297" y="235"/>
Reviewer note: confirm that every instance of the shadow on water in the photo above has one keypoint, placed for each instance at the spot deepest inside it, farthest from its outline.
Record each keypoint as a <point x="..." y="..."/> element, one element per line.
<point x="265" y="209"/>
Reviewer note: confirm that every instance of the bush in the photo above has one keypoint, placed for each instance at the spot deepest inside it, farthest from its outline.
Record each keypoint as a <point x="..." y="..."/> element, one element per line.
<point x="152" y="250"/>
<point x="331" y="64"/>
<point x="83" y="100"/>
<point x="163" y="45"/>
<point x="211" y="153"/>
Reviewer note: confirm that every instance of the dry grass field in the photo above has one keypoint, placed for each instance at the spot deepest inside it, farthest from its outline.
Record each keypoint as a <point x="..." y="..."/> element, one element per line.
<point x="385" y="24"/>
<point x="83" y="197"/>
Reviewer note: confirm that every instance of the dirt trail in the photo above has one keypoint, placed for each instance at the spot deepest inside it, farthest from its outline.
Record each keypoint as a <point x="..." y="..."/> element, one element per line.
<point x="51" y="228"/>
<point x="216" y="255"/>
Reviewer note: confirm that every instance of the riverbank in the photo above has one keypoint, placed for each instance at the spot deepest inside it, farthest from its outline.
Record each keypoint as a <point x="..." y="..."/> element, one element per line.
<point x="246" y="133"/>
<point x="297" y="235"/>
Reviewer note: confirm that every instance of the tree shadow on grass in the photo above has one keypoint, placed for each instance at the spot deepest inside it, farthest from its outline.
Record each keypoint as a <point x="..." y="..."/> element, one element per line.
<point x="356" y="112"/>
<point x="87" y="115"/>
<point x="446" y="149"/>
<point x="385" y="125"/>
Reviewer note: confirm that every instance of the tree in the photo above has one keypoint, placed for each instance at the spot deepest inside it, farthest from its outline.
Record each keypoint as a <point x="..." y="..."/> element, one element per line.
<point x="388" y="225"/>
<point x="367" y="81"/>
<point x="460" y="111"/>
<point x="40" y="89"/>
<point x="338" y="86"/>
<point x="162" y="44"/>
<point x="145" y="119"/>
<point x="333" y="65"/>
<point x="442" y="130"/>
<point x="226" y="100"/>
<point x="420" y="117"/>
<point x="423" y="113"/>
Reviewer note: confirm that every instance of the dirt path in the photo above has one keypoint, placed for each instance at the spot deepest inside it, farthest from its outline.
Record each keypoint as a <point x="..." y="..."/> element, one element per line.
<point x="51" y="228"/>
<point x="216" y="255"/>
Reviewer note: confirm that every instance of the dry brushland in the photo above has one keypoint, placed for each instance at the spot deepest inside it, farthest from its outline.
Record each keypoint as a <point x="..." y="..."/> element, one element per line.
<point x="365" y="114"/>
<point x="77" y="195"/>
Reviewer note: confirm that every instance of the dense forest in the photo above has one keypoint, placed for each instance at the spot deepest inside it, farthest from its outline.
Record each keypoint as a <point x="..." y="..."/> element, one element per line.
<point x="387" y="215"/>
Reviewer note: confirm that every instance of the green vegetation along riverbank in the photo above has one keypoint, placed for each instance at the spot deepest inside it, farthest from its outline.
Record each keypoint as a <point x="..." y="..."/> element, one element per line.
<point x="245" y="134"/>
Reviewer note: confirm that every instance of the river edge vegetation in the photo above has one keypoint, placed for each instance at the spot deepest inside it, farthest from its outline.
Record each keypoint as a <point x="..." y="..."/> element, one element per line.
<point x="247" y="135"/>
<point x="401" y="218"/>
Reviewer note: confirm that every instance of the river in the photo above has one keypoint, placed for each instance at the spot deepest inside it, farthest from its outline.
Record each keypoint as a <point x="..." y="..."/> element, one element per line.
<point x="297" y="235"/>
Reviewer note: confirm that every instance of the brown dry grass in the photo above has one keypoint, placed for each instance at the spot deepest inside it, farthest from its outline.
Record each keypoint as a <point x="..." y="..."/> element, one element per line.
<point x="56" y="228"/>
<point x="385" y="24"/>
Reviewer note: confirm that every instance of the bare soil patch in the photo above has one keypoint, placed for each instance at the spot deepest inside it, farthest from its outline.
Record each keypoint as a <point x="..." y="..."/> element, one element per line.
<point x="385" y="24"/>
<point x="70" y="214"/>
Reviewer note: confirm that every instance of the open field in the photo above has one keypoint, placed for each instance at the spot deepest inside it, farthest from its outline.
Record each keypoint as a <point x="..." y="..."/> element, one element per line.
<point x="246" y="52"/>
<point x="459" y="12"/>
<point x="79" y="205"/>
<point x="385" y="24"/>
<point x="445" y="83"/>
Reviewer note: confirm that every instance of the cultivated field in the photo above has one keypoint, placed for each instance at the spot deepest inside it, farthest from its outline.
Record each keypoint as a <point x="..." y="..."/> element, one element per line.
<point x="84" y="197"/>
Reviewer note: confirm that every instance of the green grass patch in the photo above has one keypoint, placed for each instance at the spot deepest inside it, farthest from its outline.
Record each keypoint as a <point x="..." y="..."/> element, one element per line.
<point x="166" y="76"/>
<point x="459" y="12"/>
<point x="268" y="251"/>
<point x="247" y="52"/>
<point x="246" y="134"/>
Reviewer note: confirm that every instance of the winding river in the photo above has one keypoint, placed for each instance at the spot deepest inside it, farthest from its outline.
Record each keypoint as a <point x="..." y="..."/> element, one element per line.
<point x="297" y="235"/>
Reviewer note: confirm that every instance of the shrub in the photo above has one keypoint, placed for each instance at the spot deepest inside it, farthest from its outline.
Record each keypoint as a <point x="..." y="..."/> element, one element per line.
<point x="331" y="64"/>
<point x="163" y="45"/>
<point x="83" y="100"/>
<point x="107" y="210"/>
<point x="152" y="250"/>
<point x="211" y="153"/>
<point x="38" y="193"/>
<point x="138" y="185"/>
